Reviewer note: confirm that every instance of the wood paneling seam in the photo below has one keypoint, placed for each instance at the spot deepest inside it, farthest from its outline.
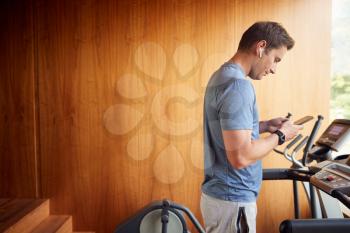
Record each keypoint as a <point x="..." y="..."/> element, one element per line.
<point x="36" y="102"/>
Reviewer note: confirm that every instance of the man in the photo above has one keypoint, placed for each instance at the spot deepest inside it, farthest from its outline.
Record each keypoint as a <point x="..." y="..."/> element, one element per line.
<point x="233" y="149"/>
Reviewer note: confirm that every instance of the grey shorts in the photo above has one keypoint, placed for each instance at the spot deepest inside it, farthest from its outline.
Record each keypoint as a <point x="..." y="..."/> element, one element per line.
<point x="228" y="217"/>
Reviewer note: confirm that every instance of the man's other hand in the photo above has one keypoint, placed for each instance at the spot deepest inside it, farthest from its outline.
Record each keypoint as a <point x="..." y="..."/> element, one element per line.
<point x="275" y="124"/>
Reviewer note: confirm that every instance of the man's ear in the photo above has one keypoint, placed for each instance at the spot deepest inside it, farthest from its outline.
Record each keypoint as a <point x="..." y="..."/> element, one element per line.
<point x="260" y="47"/>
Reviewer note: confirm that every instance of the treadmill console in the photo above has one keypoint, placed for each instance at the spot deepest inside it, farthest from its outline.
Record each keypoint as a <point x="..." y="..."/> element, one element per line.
<point x="335" y="135"/>
<point x="332" y="176"/>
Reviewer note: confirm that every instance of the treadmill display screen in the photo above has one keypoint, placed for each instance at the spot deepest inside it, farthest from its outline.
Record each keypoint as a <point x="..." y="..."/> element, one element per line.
<point x="336" y="130"/>
<point x="333" y="134"/>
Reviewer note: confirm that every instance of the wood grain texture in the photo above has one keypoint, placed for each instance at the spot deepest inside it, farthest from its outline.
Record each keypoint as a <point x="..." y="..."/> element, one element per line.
<point x="17" y="102"/>
<point x="22" y="215"/>
<point x="121" y="85"/>
<point x="55" y="224"/>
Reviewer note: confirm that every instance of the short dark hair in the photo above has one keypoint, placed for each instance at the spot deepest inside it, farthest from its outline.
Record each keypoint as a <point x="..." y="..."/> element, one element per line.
<point x="273" y="33"/>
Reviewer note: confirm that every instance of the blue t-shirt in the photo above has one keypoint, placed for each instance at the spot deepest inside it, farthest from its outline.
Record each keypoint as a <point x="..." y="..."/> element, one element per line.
<point x="229" y="104"/>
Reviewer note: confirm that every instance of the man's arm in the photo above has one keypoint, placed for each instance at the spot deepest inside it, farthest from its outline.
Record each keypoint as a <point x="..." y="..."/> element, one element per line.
<point x="242" y="151"/>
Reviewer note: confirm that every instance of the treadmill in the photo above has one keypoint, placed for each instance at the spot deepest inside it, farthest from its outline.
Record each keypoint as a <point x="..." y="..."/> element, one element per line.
<point x="330" y="175"/>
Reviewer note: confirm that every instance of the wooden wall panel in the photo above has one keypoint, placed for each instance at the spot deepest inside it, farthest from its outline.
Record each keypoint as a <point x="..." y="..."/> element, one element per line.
<point x="120" y="89"/>
<point x="17" y="105"/>
<point x="86" y="169"/>
<point x="302" y="87"/>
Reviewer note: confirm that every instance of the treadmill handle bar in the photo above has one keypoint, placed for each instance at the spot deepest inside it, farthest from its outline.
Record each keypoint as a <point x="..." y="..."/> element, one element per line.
<point x="341" y="197"/>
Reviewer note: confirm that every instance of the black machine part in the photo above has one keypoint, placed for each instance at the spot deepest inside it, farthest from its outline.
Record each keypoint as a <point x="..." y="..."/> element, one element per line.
<point x="337" y="186"/>
<point x="164" y="209"/>
<point x="189" y="214"/>
<point x="309" y="225"/>
<point x="286" y="174"/>
<point x="315" y="226"/>
<point x="310" y="142"/>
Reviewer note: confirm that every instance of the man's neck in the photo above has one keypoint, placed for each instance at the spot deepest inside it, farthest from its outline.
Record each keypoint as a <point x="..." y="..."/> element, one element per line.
<point x="244" y="60"/>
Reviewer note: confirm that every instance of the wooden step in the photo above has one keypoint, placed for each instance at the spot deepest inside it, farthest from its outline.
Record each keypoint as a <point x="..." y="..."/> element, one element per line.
<point x="22" y="215"/>
<point x="55" y="224"/>
<point x="32" y="216"/>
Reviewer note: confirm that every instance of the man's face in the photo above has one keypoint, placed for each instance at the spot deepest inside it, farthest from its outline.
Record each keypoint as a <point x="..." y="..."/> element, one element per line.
<point x="267" y="63"/>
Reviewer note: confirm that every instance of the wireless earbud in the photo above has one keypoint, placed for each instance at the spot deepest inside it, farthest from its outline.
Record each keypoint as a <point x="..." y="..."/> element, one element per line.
<point x="260" y="52"/>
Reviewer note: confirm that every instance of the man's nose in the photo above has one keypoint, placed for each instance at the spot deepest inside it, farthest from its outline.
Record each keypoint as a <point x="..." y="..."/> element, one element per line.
<point x="273" y="70"/>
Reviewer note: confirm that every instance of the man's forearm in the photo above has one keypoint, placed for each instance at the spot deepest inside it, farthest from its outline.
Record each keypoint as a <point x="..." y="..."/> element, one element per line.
<point x="252" y="152"/>
<point x="261" y="147"/>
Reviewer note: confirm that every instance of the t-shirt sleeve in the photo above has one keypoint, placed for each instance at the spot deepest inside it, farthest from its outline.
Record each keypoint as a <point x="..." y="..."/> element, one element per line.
<point x="235" y="105"/>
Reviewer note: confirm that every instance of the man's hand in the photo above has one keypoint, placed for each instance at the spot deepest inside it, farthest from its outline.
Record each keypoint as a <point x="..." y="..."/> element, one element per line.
<point x="272" y="125"/>
<point x="290" y="130"/>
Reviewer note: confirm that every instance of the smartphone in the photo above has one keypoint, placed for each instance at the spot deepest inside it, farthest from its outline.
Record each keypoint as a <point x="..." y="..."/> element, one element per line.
<point x="303" y="120"/>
